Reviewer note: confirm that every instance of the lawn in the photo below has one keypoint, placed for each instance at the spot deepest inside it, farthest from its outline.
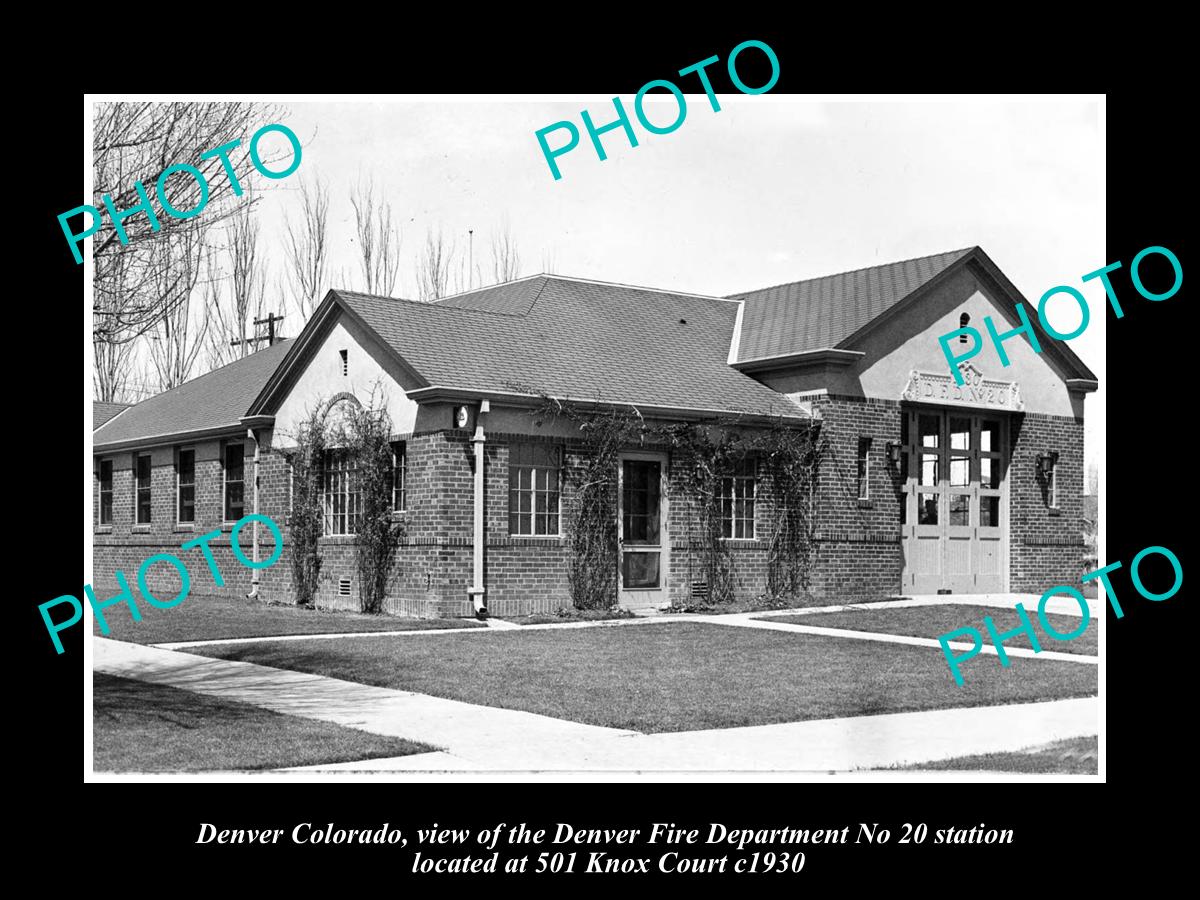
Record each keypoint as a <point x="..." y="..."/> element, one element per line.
<point x="142" y="727"/>
<point x="672" y="676"/>
<point x="934" y="621"/>
<point x="206" y="618"/>
<point x="1074" y="756"/>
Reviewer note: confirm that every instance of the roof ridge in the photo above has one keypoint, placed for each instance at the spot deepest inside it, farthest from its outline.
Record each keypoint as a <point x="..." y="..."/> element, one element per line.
<point x="427" y="304"/>
<point x="896" y="262"/>
<point x="487" y="287"/>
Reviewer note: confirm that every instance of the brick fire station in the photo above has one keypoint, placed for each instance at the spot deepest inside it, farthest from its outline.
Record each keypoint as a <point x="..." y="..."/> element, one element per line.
<point x="926" y="485"/>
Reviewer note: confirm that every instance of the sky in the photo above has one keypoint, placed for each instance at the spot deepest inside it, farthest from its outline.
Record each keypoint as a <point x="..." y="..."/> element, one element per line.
<point x="770" y="189"/>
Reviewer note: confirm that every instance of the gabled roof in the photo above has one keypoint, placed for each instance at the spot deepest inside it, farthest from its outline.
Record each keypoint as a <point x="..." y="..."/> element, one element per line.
<point x="822" y="312"/>
<point x="208" y="403"/>
<point x="102" y="412"/>
<point x="570" y="338"/>
<point x="832" y="312"/>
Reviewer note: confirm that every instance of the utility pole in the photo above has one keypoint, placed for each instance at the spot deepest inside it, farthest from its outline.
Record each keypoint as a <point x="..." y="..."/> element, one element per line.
<point x="269" y="321"/>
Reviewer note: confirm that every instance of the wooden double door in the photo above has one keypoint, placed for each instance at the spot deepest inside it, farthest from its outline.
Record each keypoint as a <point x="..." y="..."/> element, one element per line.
<point x="954" y="515"/>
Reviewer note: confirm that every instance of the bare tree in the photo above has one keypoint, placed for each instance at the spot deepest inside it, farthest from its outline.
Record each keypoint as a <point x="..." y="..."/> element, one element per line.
<point x="307" y="249"/>
<point x="136" y="142"/>
<point x="233" y="317"/>
<point x="178" y="337"/>
<point x="506" y="259"/>
<point x="437" y="268"/>
<point x="378" y="240"/>
<point x="549" y="260"/>
<point x="113" y="371"/>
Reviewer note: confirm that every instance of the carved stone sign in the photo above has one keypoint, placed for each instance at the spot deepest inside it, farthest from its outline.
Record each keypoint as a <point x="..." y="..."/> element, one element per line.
<point x="976" y="391"/>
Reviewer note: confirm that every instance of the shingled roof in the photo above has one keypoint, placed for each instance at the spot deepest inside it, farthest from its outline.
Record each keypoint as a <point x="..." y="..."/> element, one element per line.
<point x="820" y="313"/>
<point x="569" y="338"/>
<point x="213" y="401"/>
<point x="102" y="412"/>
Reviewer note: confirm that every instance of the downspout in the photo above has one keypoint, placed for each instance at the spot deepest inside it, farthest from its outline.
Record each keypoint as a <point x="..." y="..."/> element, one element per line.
<point x="253" y="595"/>
<point x="477" y="589"/>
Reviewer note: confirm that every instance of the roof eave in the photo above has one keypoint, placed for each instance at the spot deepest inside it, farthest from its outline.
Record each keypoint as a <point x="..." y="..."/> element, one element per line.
<point x="174" y="437"/>
<point x="435" y="393"/>
<point x="828" y="356"/>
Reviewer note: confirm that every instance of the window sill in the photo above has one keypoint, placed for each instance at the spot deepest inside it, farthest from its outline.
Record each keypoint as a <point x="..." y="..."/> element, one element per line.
<point x="745" y="540"/>
<point x="140" y="529"/>
<point x="536" y="537"/>
<point x="102" y="529"/>
<point x="184" y="526"/>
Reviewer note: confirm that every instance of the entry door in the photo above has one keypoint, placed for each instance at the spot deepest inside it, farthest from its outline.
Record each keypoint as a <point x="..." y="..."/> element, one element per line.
<point x="951" y="519"/>
<point x="642" y="530"/>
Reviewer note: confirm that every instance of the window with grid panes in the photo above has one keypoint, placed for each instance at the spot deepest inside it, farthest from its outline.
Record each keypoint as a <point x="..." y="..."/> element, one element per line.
<point x="235" y="485"/>
<point x="399" y="476"/>
<point x="341" y="495"/>
<point x="185" y="473"/>
<point x="141" y="471"/>
<point x="534" y="472"/>
<point x="106" y="491"/>
<point x="737" y="500"/>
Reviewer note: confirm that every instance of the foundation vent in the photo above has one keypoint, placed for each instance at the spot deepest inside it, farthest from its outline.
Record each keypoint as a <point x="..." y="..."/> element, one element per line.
<point x="699" y="590"/>
<point x="343" y="587"/>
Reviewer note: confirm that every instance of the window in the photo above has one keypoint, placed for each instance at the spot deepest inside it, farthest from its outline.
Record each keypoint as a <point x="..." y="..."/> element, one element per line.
<point x="1052" y="481"/>
<point x="399" y="476"/>
<point x="235" y="458"/>
<point x="864" y="468"/>
<point x="141" y="494"/>
<point x="737" y="501"/>
<point x="345" y="362"/>
<point x="185" y="485"/>
<point x="533" y="493"/>
<point x="341" y="495"/>
<point x="106" y="492"/>
<point x="962" y="323"/>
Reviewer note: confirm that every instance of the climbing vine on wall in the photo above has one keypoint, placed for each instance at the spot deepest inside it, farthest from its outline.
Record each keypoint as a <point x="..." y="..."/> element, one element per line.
<point x="307" y="461"/>
<point x="364" y="435"/>
<point x="706" y="454"/>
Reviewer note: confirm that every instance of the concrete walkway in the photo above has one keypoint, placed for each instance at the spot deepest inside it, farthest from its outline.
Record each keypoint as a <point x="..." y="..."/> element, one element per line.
<point x="757" y="619"/>
<point x="752" y="620"/>
<point x="474" y="738"/>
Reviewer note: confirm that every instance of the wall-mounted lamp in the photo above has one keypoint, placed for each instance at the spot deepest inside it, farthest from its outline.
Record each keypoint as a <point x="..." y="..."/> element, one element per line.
<point x="893" y="453"/>
<point x="1045" y="463"/>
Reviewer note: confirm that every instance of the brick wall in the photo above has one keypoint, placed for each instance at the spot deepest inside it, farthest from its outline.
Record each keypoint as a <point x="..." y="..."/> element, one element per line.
<point x="1045" y="544"/>
<point x="858" y="554"/>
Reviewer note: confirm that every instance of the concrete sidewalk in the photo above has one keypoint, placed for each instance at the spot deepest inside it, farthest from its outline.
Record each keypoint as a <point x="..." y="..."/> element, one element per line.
<point x="475" y="738"/>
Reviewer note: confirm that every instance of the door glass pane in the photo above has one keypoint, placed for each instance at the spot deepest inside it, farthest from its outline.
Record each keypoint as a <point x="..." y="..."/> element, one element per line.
<point x="989" y="472"/>
<point x="929" y="468"/>
<point x="960" y="509"/>
<point x="989" y="435"/>
<point x="640" y="501"/>
<point x="930" y="428"/>
<point x="989" y="511"/>
<point x="927" y="508"/>
<point x="960" y="433"/>
<point x="960" y="471"/>
<point x="639" y="570"/>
